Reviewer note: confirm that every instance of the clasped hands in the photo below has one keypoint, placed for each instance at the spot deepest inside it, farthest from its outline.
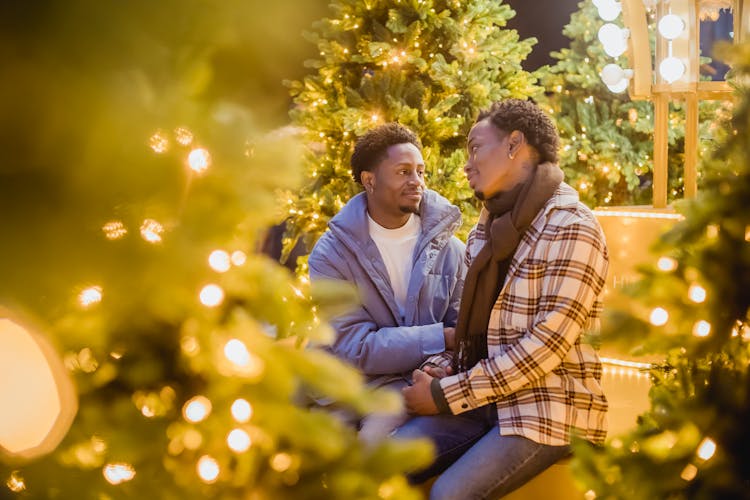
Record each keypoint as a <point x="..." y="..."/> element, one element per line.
<point x="418" y="396"/>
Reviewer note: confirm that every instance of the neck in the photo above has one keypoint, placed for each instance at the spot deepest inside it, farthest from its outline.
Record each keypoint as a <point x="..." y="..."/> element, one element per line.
<point x="386" y="219"/>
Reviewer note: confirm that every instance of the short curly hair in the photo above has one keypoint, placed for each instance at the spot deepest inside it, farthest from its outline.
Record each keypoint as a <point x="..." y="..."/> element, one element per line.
<point x="372" y="147"/>
<point x="525" y="116"/>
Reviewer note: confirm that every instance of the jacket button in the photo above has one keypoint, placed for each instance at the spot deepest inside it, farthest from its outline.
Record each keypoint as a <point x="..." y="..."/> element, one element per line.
<point x="464" y="406"/>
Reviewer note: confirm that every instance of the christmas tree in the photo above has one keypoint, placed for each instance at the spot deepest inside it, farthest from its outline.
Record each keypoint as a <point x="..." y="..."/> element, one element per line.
<point x="606" y="138"/>
<point x="135" y="182"/>
<point x="428" y="64"/>
<point x="691" y="307"/>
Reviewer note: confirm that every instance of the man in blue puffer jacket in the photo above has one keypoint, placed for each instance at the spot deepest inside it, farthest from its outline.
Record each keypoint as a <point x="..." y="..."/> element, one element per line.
<point x="395" y="242"/>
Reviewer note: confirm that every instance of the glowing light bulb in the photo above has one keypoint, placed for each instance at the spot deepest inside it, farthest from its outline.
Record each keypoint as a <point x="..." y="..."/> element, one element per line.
<point x="199" y="160"/>
<point x="697" y="293"/>
<point x="208" y="469"/>
<point x="238" y="257"/>
<point x="281" y="462"/>
<point x="219" y="261"/>
<point x="151" y="231"/>
<point x="236" y="351"/>
<point x="183" y="135"/>
<point x="90" y="296"/>
<point x="671" y="69"/>
<point x="689" y="472"/>
<point x="619" y="87"/>
<point x="114" y="230"/>
<point x="15" y="482"/>
<point x="613" y="39"/>
<point x="670" y="26"/>
<point x="706" y="449"/>
<point x="666" y="264"/>
<point x="702" y="328"/>
<point x="238" y="440"/>
<point x="242" y="411"/>
<point x="196" y="409"/>
<point x="211" y="295"/>
<point x="159" y="142"/>
<point x="609" y="10"/>
<point x="612" y="74"/>
<point x="117" y="473"/>
<point x="659" y="316"/>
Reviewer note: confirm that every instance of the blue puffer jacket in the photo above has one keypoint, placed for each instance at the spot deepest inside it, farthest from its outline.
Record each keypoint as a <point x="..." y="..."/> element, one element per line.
<point x="374" y="337"/>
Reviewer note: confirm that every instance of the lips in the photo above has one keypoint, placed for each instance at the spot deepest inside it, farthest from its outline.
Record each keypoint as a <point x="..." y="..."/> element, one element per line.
<point x="413" y="194"/>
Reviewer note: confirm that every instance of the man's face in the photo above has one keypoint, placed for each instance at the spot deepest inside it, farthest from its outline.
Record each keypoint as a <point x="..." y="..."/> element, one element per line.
<point x="396" y="185"/>
<point x="488" y="169"/>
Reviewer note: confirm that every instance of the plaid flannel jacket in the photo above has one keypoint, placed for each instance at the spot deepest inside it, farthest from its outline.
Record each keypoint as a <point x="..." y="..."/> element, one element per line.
<point x="544" y="381"/>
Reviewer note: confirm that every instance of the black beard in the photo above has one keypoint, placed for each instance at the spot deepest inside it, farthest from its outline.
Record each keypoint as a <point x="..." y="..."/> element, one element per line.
<point x="410" y="210"/>
<point x="479" y="195"/>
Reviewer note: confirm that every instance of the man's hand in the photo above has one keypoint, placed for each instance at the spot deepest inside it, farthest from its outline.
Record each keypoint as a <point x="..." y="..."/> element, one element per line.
<point x="449" y="334"/>
<point x="438" y="371"/>
<point x="418" y="397"/>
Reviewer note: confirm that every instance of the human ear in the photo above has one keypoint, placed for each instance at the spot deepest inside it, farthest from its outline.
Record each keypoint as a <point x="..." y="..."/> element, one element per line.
<point x="368" y="180"/>
<point x="515" y="141"/>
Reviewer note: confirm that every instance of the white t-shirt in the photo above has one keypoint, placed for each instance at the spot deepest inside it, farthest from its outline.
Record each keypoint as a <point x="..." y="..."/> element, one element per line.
<point x="396" y="247"/>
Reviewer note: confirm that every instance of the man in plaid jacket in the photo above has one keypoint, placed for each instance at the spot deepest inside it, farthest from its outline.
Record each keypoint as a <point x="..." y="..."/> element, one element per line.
<point x="522" y="382"/>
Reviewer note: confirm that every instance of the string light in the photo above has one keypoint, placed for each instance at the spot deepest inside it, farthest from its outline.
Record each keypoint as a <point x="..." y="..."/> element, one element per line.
<point x="706" y="449"/>
<point x="208" y="469"/>
<point x="242" y="410"/>
<point x="15" y="482"/>
<point x="211" y="295"/>
<point x="702" y="328"/>
<point x="90" y="296"/>
<point x="159" y="142"/>
<point x="659" y="316"/>
<point x="281" y="462"/>
<point x="689" y="472"/>
<point x="199" y="160"/>
<point x="151" y="231"/>
<point x="114" y="230"/>
<point x="238" y="440"/>
<point x="117" y="473"/>
<point x="183" y="135"/>
<point x="219" y="261"/>
<point x="697" y="293"/>
<point x="196" y="409"/>
<point x="712" y="231"/>
<point x="666" y="264"/>
<point x="238" y="257"/>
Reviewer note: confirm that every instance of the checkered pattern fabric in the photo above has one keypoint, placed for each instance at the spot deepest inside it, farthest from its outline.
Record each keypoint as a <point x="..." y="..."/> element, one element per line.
<point x="544" y="381"/>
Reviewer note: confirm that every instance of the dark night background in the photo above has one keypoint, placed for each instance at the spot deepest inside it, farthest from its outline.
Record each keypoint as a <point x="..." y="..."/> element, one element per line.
<point x="544" y="20"/>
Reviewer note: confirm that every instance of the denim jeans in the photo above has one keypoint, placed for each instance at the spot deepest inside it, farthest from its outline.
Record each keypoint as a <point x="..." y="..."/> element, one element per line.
<point x="474" y="461"/>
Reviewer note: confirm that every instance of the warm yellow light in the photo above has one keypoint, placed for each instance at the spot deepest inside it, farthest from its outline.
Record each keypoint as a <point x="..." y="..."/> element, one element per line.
<point x="211" y="295"/>
<point x="712" y="231"/>
<point x="706" y="449"/>
<point x="208" y="469"/>
<point x="15" y="482"/>
<point x="238" y="257"/>
<point x="697" y="293"/>
<point x="190" y="345"/>
<point x="238" y="440"/>
<point x="199" y="160"/>
<point x="197" y="409"/>
<point x="151" y="231"/>
<point x="589" y="495"/>
<point x="281" y="462"/>
<point x="659" y="316"/>
<point x="37" y="398"/>
<point x="375" y="117"/>
<point x="666" y="264"/>
<point x="117" y="473"/>
<point x="159" y="143"/>
<point x="183" y="135"/>
<point x="114" y="230"/>
<point x="219" y="261"/>
<point x="236" y="351"/>
<point x="90" y="296"/>
<point x="702" y="328"/>
<point x="689" y="472"/>
<point x="242" y="411"/>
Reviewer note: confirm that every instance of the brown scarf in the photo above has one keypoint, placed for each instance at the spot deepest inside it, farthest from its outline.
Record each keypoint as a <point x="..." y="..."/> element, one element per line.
<point x="511" y="213"/>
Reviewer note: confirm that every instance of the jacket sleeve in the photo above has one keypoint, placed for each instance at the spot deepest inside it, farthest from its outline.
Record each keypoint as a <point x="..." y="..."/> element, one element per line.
<point x="375" y="351"/>
<point x="574" y="277"/>
<point x="451" y="315"/>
